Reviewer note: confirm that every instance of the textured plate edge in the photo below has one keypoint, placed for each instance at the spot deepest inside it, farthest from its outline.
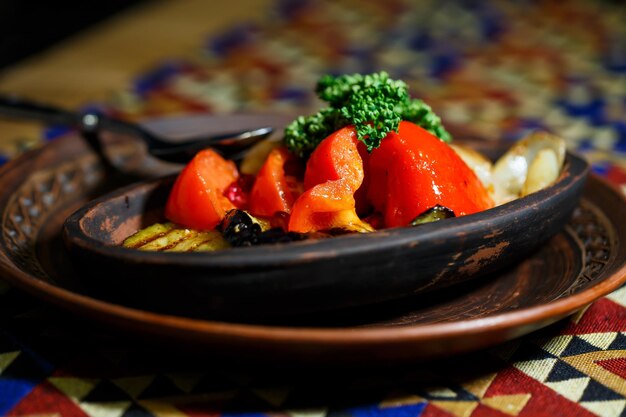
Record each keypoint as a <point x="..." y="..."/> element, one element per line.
<point x="239" y="333"/>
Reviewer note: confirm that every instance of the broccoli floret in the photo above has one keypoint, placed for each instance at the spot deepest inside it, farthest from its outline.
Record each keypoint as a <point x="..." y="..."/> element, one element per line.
<point x="305" y="133"/>
<point x="374" y="104"/>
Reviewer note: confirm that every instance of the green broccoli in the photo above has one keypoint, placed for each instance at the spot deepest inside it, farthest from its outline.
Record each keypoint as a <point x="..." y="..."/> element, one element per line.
<point x="374" y="104"/>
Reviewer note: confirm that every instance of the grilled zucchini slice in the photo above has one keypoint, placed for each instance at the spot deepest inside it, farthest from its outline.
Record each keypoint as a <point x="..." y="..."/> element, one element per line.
<point x="167" y="237"/>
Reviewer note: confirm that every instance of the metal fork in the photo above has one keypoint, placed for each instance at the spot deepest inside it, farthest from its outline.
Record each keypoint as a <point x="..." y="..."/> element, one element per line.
<point x="89" y="123"/>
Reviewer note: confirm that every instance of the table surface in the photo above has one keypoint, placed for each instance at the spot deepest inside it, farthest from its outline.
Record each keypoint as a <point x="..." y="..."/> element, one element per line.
<point x="98" y="63"/>
<point x="501" y="69"/>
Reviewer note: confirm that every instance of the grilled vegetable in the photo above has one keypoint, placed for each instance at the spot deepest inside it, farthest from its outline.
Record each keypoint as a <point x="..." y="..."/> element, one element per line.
<point x="542" y="171"/>
<point x="241" y="229"/>
<point x="531" y="164"/>
<point x="433" y="214"/>
<point x="278" y="235"/>
<point x="413" y="171"/>
<point x="271" y="192"/>
<point x="167" y="237"/>
<point x="333" y="175"/>
<point x="197" y="199"/>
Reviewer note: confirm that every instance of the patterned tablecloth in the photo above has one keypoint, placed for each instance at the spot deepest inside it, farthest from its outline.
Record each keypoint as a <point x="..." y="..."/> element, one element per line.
<point x="501" y="68"/>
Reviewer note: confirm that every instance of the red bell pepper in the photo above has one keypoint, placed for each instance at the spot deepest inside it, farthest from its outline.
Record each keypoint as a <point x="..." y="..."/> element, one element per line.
<point x="273" y="190"/>
<point x="333" y="174"/>
<point x="413" y="171"/>
<point x="197" y="199"/>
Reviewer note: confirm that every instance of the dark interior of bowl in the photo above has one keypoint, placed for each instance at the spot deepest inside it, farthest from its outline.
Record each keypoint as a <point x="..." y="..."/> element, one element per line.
<point x="112" y="221"/>
<point x="313" y="276"/>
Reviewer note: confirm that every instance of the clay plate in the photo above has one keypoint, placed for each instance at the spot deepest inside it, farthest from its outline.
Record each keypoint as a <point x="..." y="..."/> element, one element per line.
<point x="310" y="276"/>
<point x="581" y="263"/>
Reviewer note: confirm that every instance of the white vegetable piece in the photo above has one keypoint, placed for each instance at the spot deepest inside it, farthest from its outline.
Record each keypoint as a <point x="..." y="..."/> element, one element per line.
<point x="543" y="171"/>
<point x="511" y="172"/>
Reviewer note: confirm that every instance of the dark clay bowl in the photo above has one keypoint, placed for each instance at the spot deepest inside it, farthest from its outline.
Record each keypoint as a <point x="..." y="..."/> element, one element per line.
<point x="308" y="276"/>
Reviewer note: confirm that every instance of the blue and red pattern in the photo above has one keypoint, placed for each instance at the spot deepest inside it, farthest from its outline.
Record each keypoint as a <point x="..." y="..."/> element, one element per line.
<point x="501" y="69"/>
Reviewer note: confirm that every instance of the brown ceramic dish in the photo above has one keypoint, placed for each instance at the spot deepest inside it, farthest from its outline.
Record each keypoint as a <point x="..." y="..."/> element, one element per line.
<point x="582" y="262"/>
<point x="309" y="276"/>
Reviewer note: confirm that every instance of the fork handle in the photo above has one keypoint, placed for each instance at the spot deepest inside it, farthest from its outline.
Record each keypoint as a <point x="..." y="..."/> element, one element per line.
<point x="15" y="107"/>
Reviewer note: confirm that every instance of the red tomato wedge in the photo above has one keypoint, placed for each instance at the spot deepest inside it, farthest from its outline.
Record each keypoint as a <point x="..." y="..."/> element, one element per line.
<point x="197" y="199"/>
<point x="272" y="192"/>
<point x="413" y="171"/>
<point x="333" y="174"/>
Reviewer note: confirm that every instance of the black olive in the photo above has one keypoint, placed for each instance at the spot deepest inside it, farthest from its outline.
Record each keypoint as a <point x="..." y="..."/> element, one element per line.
<point x="433" y="214"/>
<point x="240" y="229"/>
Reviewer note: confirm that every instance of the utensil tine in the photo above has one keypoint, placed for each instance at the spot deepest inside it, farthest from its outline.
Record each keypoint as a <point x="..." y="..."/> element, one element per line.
<point x="231" y="146"/>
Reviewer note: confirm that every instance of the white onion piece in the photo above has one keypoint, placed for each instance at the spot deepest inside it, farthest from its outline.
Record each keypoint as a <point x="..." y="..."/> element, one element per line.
<point x="543" y="171"/>
<point x="511" y="171"/>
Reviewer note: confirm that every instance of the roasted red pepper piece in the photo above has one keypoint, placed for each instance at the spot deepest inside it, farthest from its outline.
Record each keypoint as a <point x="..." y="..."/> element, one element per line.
<point x="273" y="190"/>
<point x="413" y="171"/>
<point x="362" y="204"/>
<point x="333" y="174"/>
<point x="197" y="199"/>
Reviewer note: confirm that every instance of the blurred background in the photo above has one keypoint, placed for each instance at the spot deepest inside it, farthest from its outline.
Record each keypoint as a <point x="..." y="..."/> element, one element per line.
<point x="30" y="26"/>
<point x="498" y="68"/>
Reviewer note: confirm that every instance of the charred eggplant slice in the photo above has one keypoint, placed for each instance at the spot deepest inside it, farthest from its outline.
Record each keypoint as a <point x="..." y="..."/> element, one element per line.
<point x="433" y="214"/>
<point x="242" y="229"/>
<point x="278" y="235"/>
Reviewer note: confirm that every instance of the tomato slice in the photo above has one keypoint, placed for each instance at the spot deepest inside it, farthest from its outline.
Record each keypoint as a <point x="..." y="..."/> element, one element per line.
<point x="197" y="199"/>
<point x="273" y="190"/>
<point x="333" y="174"/>
<point x="413" y="171"/>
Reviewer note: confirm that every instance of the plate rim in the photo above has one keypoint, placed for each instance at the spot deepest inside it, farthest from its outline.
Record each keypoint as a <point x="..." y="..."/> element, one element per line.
<point x="185" y="327"/>
<point x="416" y="332"/>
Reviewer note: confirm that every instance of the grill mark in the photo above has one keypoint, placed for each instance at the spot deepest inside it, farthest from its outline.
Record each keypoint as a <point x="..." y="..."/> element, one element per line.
<point x="172" y="244"/>
<point x="202" y="242"/>
<point x="169" y="243"/>
<point x="151" y="238"/>
<point x="198" y="237"/>
<point x="165" y="235"/>
<point x="208" y="242"/>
